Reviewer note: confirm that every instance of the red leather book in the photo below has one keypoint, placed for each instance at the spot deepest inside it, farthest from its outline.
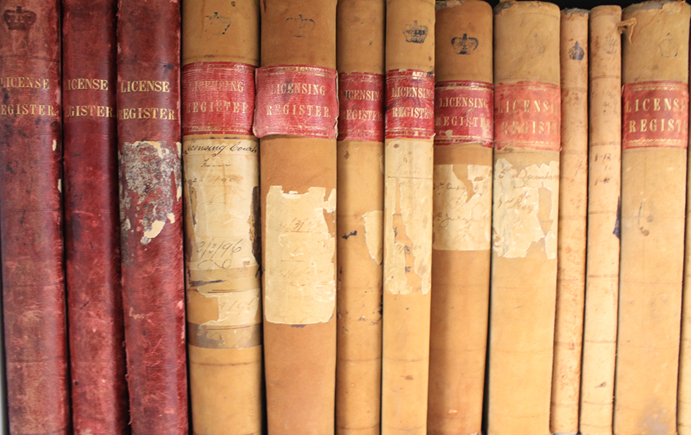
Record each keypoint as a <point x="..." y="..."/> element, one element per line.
<point x="92" y="230"/>
<point x="148" y="117"/>
<point x="31" y="218"/>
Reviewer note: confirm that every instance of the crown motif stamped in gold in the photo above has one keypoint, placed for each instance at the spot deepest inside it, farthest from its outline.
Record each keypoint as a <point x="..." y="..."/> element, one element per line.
<point x="19" y="19"/>
<point x="415" y="32"/>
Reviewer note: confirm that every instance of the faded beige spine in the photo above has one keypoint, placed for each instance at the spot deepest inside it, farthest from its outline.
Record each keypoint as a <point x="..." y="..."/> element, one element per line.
<point x="604" y="187"/>
<point x="407" y="234"/>
<point x="655" y="49"/>
<point x="223" y="282"/>
<point x="460" y="273"/>
<point x="573" y="207"/>
<point x="523" y="279"/>
<point x="360" y="49"/>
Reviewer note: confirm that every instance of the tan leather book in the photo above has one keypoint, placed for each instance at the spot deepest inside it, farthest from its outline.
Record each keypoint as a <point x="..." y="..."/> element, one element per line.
<point x="220" y="50"/>
<point x="654" y="149"/>
<point x="295" y="118"/>
<point x="464" y="113"/>
<point x="573" y="207"/>
<point x="408" y="166"/>
<point x="360" y="60"/>
<point x="524" y="222"/>
<point x="604" y="188"/>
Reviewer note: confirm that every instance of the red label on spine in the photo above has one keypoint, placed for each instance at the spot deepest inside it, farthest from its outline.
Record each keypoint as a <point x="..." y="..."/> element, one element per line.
<point x="527" y="115"/>
<point x="298" y="100"/>
<point x="409" y="104"/>
<point x="361" y="96"/>
<point x="463" y="113"/>
<point x="217" y="98"/>
<point x="655" y="115"/>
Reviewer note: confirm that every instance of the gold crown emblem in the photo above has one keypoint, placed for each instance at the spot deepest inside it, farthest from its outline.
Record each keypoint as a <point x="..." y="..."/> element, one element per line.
<point x="19" y="19"/>
<point x="415" y="33"/>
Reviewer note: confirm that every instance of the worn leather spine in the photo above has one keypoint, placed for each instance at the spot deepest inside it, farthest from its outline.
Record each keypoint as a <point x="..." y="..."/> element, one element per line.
<point x="408" y="167"/>
<point x="221" y="158"/>
<point x="524" y="221"/>
<point x="360" y="60"/>
<point x="654" y="149"/>
<point x="148" y="115"/>
<point x="92" y="230"/>
<point x="462" y="217"/>
<point x="604" y="188"/>
<point x="31" y="218"/>
<point x="573" y="207"/>
<point x="298" y="198"/>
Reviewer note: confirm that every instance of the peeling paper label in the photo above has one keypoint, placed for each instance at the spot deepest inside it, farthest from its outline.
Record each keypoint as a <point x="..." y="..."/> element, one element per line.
<point x="373" y="234"/>
<point x="299" y="282"/>
<point x="462" y="207"/>
<point x="526" y="204"/>
<point x="408" y="218"/>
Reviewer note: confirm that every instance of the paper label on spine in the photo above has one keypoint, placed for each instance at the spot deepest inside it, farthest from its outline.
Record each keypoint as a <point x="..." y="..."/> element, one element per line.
<point x="409" y="104"/>
<point x="361" y="96"/>
<point x="462" y="207"/>
<point x="656" y="115"/>
<point x="527" y="115"/>
<point x="526" y="206"/>
<point x="217" y="98"/>
<point x="464" y="113"/>
<point x="299" y="279"/>
<point x="298" y="100"/>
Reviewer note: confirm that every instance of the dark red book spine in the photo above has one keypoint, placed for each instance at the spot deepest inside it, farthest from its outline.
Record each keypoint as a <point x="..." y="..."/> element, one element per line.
<point x="92" y="230"/>
<point x="148" y="116"/>
<point x="31" y="218"/>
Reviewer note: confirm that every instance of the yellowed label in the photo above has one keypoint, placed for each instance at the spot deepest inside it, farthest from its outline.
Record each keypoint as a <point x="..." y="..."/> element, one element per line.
<point x="526" y="205"/>
<point x="462" y="207"/>
<point x="374" y="228"/>
<point x="299" y="282"/>
<point x="408" y="216"/>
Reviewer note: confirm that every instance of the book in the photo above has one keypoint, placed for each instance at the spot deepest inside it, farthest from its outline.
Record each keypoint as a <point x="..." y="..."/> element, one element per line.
<point x="296" y="117"/>
<point x="604" y="188"/>
<point x="655" y="72"/>
<point x="462" y="219"/>
<point x="92" y="218"/>
<point x="360" y="60"/>
<point x="31" y="219"/>
<point x="525" y="216"/>
<point x="573" y="209"/>
<point x="148" y="119"/>
<point x="408" y="168"/>
<point x="220" y="50"/>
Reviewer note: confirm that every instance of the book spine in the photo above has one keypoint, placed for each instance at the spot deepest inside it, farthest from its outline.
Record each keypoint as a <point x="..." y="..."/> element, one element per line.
<point x="654" y="140"/>
<point x="604" y="188"/>
<point x="360" y="60"/>
<point x="221" y="158"/>
<point x="31" y="218"/>
<point x="573" y="208"/>
<point x="408" y="169"/>
<point x="524" y="222"/>
<point x="148" y="118"/>
<point x="92" y="230"/>
<point x="296" y="114"/>
<point x="462" y="220"/>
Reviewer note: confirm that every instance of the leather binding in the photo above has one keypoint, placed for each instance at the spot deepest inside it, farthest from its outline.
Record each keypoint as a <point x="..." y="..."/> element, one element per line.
<point x="462" y="216"/>
<point x="655" y="71"/>
<point x="92" y="230"/>
<point x="360" y="39"/>
<point x="408" y="167"/>
<point x="604" y="188"/>
<point x="573" y="207"/>
<point x="220" y="50"/>
<point x="31" y="218"/>
<point x="524" y="222"/>
<point x="298" y="203"/>
<point x="148" y="117"/>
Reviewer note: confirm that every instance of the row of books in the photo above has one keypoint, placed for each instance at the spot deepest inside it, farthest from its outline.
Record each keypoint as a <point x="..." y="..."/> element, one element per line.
<point x="462" y="215"/>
